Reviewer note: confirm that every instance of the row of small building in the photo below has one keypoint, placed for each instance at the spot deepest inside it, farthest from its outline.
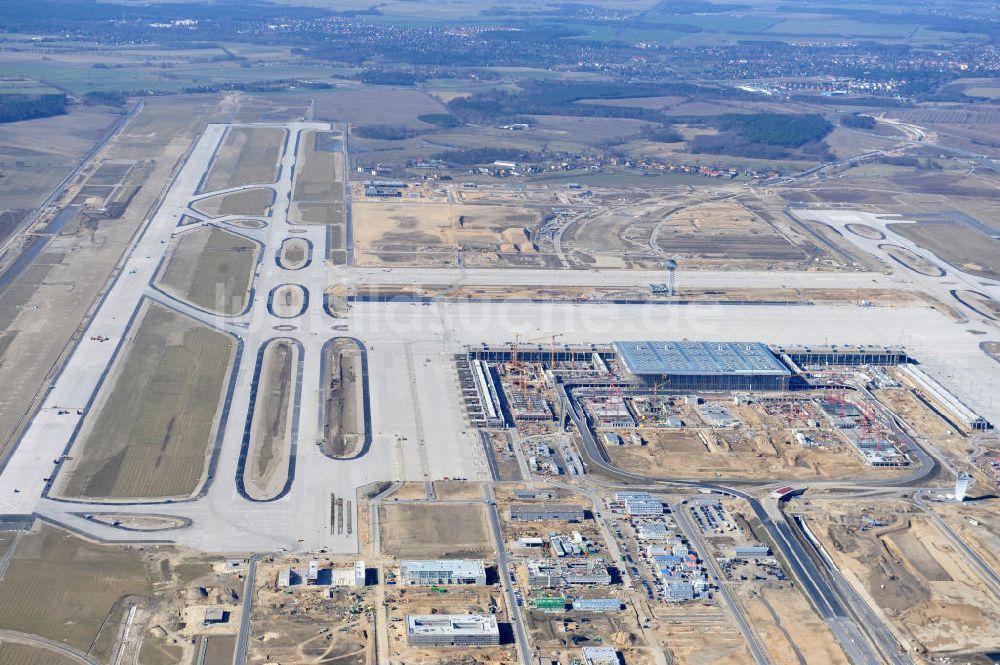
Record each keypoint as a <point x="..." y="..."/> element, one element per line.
<point x="678" y="568"/>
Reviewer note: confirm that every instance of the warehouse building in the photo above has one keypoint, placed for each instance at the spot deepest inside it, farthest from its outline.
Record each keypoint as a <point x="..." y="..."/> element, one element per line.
<point x="703" y="365"/>
<point x="751" y="550"/>
<point x="448" y="630"/>
<point x="597" y="605"/>
<point x="527" y="512"/>
<point x="600" y="656"/>
<point x="677" y="592"/>
<point x="428" y="573"/>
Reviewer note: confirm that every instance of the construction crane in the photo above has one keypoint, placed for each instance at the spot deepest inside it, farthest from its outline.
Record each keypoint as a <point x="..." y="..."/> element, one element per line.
<point x="521" y="382"/>
<point x="552" y="353"/>
<point x="660" y="413"/>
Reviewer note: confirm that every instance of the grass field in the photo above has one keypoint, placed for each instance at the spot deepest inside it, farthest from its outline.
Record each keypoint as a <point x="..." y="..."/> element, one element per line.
<point x="22" y="654"/>
<point x="254" y="202"/>
<point x="220" y="650"/>
<point x="158" y="651"/>
<point x="36" y="154"/>
<point x="63" y="588"/>
<point x="152" y="427"/>
<point x="211" y="268"/>
<point x="318" y="196"/>
<point x="962" y="247"/>
<point x="247" y="156"/>
<point x="429" y="531"/>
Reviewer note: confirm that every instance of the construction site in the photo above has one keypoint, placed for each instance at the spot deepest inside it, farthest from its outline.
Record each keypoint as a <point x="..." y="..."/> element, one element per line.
<point x="709" y="410"/>
<point x="610" y="465"/>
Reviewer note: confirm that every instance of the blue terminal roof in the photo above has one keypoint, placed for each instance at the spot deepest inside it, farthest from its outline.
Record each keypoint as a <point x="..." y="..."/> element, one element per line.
<point x="699" y="358"/>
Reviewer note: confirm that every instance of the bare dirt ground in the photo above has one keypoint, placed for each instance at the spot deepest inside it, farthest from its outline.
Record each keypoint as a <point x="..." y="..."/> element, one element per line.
<point x="256" y="202"/>
<point x="930" y="428"/>
<point x="402" y="601"/>
<point x="428" y="530"/>
<point x="271" y="430"/>
<point x="288" y="300"/>
<point x="343" y="426"/>
<point x="932" y="597"/>
<point x="457" y="489"/>
<point x="720" y="231"/>
<point x="309" y="627"/>
<point x="385" y="233"/>
<point x="977" y="524"/>
<point x="699" y="634"/>
<point x="764" y="446"/>
<point x="789" y="628"/>
<point x="151" y="430"/>
<point x="211" y="268"/>
<point x="294" y="253"/>
<point x="559" y="636"/>
<point x="247" y="156"/>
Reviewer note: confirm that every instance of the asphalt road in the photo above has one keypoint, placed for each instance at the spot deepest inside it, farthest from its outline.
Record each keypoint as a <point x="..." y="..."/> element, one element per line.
<point x="820" y="592"/>
<point x="749" y="634"/>
<point x="503" y="570"/>
<point x="244" y="635"/>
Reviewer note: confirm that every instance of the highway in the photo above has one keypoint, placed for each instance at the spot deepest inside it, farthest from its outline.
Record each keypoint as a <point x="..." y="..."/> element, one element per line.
<point x="503" y="570"/>
<point x="823" y="596"/>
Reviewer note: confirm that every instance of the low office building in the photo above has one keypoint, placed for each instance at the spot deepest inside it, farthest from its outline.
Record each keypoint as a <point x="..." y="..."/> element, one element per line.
<point x="652" y="531"/>
<point x="643" y="507"/>
<point x="544" y="573"/>
<point x="530" y="512"/>
<point x="447" y="630"/>
<point x="427" y="573"/>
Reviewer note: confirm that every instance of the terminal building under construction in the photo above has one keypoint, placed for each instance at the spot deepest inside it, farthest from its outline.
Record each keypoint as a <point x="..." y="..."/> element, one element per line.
<point x="703" y="365"/>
